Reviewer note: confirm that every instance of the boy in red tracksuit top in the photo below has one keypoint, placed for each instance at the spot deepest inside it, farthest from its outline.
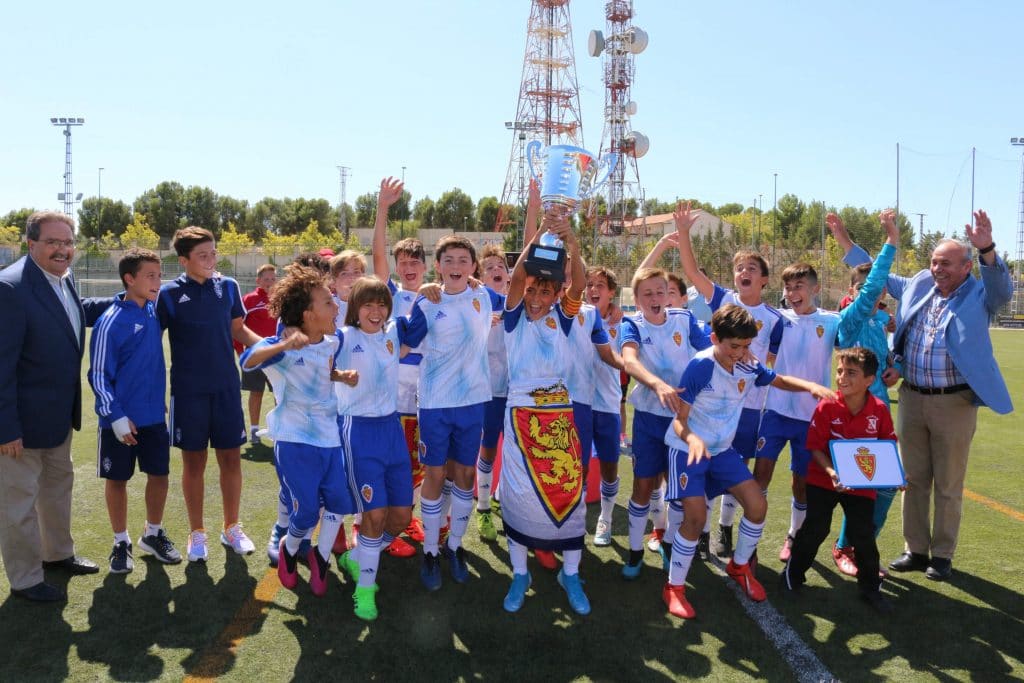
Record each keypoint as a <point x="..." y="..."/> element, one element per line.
<point x="856" y="414"/>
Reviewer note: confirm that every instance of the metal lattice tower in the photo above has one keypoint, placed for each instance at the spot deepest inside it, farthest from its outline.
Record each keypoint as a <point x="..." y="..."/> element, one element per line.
<point x="343" y="172"/>
<point x="549" y="104"/>
<point x="618" y="48"/>
<point x="1017" y="304"/>
<point x="68" y="195"/>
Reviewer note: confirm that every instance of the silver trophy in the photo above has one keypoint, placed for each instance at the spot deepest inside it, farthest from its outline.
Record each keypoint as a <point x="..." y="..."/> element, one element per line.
<point x="567" y="178"/>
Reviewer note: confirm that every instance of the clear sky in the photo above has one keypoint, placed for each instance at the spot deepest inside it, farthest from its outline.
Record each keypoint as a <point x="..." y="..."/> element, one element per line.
<point x="262" y="99"/>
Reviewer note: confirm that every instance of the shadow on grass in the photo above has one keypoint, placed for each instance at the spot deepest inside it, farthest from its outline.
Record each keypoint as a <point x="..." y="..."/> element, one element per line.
<point x="258" y="453"/>
<point x="462" y="632"/>
<point x="934" y="630"/>
<point x="36" y="637"/>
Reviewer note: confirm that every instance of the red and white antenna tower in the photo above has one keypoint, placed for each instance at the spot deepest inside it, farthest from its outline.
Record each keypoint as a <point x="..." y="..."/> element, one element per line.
<point x="549" y="104"/>
<point x="622" y="42"/>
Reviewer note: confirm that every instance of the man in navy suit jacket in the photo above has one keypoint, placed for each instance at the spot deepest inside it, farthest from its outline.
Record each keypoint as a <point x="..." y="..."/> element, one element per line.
<point x="41" y="347"/>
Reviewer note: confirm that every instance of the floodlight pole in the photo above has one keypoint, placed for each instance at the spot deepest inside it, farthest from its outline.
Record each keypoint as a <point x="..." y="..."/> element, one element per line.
<point x="401" y="227"/>
<point x="1018" y="282"/>
<point x="775" y="210"/>
<point x="66" y="123"/>
<point x="99" y="200"/>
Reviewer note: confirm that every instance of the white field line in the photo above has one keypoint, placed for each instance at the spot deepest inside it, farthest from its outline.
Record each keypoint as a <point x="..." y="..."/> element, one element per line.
<point x="806" y="666"/>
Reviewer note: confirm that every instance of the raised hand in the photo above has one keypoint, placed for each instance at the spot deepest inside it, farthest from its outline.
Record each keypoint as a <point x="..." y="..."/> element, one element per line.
<point x="533" y="198"/>
<point x="390" y="192"/>
<point x="684" y="217"/>
<point x="981" y="234"/>
<point x="888" y="220"/>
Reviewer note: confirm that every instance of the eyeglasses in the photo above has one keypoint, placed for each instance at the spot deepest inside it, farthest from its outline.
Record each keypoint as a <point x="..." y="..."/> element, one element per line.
<point x="53" y="244"/>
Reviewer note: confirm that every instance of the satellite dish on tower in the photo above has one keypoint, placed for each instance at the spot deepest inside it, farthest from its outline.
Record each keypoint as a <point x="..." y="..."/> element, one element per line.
<point x="636" y="144"/>
<point x="631" y="108"/>
<point x="637" y="40"/>
<point x="595" y="43"/>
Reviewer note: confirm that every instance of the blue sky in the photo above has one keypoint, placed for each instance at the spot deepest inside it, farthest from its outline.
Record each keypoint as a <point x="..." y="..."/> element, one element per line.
<point x="256" y="99"/>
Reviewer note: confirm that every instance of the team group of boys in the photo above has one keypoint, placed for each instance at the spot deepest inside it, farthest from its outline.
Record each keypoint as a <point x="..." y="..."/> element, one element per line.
<point x="388" y="396"/>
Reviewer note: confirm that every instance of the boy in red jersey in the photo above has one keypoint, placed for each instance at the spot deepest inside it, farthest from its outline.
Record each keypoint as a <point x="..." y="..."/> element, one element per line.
<point x="856" y="414"/>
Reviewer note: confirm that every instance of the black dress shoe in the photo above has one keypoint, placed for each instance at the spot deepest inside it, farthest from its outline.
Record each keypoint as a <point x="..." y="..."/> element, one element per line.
<point x="939" y="569"/>
<point x="74" y="565"/>
<point x="41" y="592"/>
<point x="909" y="562"/>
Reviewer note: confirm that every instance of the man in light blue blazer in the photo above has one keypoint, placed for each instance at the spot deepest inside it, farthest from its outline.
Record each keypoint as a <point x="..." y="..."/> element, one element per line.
<point x="948" y="371"/>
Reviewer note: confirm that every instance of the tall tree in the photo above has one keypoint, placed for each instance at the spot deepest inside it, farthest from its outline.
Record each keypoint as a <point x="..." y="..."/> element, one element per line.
<point x="163" y="207"/>
<point x="423" y="211"/>
<point x="366" y="209"/>
<point x="201" y="206"/>
<point x="99" y="216"/>
<point x="487" y="212"/>
<point x="401" y="210"/>
<point x="454" y="211"/>
<point x="231" y="210"/>
<point x="17" y="218"/>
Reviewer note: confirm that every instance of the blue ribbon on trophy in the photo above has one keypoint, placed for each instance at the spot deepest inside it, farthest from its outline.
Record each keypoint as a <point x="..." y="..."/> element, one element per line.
<point x="567" y="177"/>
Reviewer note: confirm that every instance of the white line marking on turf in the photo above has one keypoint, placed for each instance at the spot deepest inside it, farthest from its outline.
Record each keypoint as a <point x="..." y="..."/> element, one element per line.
<point x="795" y="652"/>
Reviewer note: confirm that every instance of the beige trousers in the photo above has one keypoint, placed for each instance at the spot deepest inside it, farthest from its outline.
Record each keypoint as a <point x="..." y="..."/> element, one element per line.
<point x="935" y="440"/>
<point x="35" y="511"/>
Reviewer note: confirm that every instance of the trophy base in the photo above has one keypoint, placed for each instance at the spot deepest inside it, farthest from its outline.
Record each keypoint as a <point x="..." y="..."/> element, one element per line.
<point x="546" y="262"/>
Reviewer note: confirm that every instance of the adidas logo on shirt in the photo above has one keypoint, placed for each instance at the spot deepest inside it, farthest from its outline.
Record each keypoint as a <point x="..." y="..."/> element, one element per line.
<point x="183" y="299"/>
<point x="357" y="349"/>
<point x="300" y="361"/>
<point x="647" y="340"/>
<point x="440" y="314"/>
<point x="138" y="327"/>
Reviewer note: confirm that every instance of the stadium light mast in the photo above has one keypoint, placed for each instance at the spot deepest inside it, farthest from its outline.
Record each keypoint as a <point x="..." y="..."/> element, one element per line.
<point x="1018" y="304"/>
<point x="68" y="196"/>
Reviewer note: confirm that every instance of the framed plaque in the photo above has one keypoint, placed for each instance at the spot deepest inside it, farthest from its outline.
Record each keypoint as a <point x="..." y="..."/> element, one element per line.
<point x="867" y="463"/>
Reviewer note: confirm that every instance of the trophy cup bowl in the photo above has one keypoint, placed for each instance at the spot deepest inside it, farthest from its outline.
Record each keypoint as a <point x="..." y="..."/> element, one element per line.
<point x="567" y="177"/>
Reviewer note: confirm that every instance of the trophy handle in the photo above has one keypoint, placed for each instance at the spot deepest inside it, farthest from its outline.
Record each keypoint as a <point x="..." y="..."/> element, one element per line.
<point x="533" y="150"/>
<point x="608" y="165"/>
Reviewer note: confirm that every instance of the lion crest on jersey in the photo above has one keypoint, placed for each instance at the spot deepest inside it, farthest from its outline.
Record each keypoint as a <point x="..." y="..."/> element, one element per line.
<point x="741" y="385"/>
<point x="390" y="346"/>
<point x="820" y="330"/>
<point x="550" y="322"/>
<point x="612" y="332"/>
<point x="476" y="305"/>
<point x="677" y="338"/>
<point x="865" y="460"/>
<point x="366" y="492"/>
<point x="684" y="479"/>
<point x="580" y="318"/>
<point x="552" y="454"/>
<point x="760" y="324"/>
<point x="760" y="443"/>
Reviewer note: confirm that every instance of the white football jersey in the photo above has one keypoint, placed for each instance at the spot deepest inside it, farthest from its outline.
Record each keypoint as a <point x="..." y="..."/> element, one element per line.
<point x="537" y="349"/>
<point x="664" y="350"/>
<point x="306" y="410"/>
<point x="716" y="397"/>
<point x="375" y="358"/>
<point x="587" y="331"/>
<point x="769" y="333"/>
<point x="607" y="380"/>
<point x="805" y="352"/>
<point x="453" y="335"/>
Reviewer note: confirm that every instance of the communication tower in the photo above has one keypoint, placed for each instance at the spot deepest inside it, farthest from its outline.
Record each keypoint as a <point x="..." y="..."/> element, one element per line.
<point x="618" y="47"/>
<point x="549" y="104"/>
